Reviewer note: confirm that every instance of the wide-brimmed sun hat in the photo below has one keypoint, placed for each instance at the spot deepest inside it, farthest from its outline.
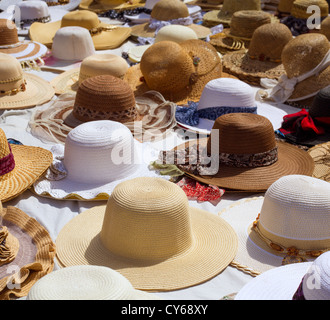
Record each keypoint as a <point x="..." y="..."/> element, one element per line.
<point x="167" y="12"/>
<point x="150" y="234"/>
<point x="241" y="148"/>
<point x="26" y="252"/>
<point x="86" y="283"/>
<point x="106" y="5"/>
<point x="321" y="156"/>
<point x="263" y="57"/>
<point x="299" y="281"/>
<point x="290" y="224"/>
<point x="105" y="36"/>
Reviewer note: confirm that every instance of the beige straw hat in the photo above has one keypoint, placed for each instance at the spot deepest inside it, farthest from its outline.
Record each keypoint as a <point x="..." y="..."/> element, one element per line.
<point x="86" y="283"/>
<point x="20" y="89"/>
<point x="321" y="156"/>
<point x="263" y="58"/>
<point x="290" y="224"/>
<point x="242" y="148"/>
<point x="105" y="36"/>
<point x="20" y="166"/>
<point x="167" y="12"/>
<point x="150" y="234"/>
<point x="26" y="252"/>
<point x="106" y="5"/>
<point x="93" y="65"/>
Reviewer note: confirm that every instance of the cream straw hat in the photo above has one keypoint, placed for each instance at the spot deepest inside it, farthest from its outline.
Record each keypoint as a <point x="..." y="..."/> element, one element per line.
<point x="86" y="283"/>
<point x="150" y="234"/>
<point x="289" y="224"/>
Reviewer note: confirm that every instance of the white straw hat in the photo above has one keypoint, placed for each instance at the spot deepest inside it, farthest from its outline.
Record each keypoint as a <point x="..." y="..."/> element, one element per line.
<point x="105" y="151"/>
<point x="86" y="283"/>
<point x="298" y="281"/>
<point x="291" y="223"/>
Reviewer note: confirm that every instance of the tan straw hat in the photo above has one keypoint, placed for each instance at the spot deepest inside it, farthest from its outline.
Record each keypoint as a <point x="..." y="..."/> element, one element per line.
<point x="93" y="65"/>
<point x="106" y="5"/>
<point x="242" y="148"/>
<point x="26" y="252"/>
<point x="290" y="224"/>
<point x="284" y="8"/>
<point x="150" y="234"/>
<point x="167" y="12"/>
<point x="20" y="166"/>
<point x="325" y="27"/>
<point x="321" y="156"/>
<point x="206" y="5"/>
<point x="299" y="8"/>
<point x="263" y="58"/>
<point x="20" y="89"/>
<point x="105" y="36"/>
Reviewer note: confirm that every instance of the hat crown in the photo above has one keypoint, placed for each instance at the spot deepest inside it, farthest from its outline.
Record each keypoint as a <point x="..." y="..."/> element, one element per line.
<point x="147" y="219"/>
<point x="232" y="6"/>
<point x="176" y="33"/>
<point x="30" y="10"/>
<point x="4" y="147"/>
<point x="299" y="8"/>
<point x="11" y="73"/>
<point x="325" y="27"/>
<point x="303" y="53"/>
<point x="165" y="10"/>
<point x="296" y="210"/>
<point x="321" y="104"/>
<point x="285" y="6"/>
<point x="81" y="18"/>
<point x="8" y="32"/>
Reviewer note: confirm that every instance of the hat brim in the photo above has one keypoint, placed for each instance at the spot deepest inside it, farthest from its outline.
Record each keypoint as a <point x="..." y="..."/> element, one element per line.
<point x="215" y="17"/>
<point x="35" y="257"/>
<point x="214" y="247"/>
<point x="204" y="5"/>
<point x="38" y="91"/>
<point x="100" y="7"/>
<point x="321" y="156"/>
<point x="291" y="160"/>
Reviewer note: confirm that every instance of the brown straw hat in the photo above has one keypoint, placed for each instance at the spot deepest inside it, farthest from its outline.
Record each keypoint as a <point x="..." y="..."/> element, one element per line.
<point x="26" y="252"/>
<point x="169" y="11"/>
<point x="239" y="35"/>
<point x="105" y="36"/>
<point x="325" y="27"/>
<point x="20" y="167"/>
<point x="263" y="58"/>
<point x="207" y="5"/>
<point x="106" y="5"/>
<point x="249" y="157"/>
<point x="149" y="234"/>
<point x="321" y="156"/>
<point x="284" y="8"/>
<point x="299" y="8"/>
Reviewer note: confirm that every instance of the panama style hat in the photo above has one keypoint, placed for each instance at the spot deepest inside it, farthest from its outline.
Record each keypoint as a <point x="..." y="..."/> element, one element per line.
<point x="321" y="156"/>
<point x="263" y="57"/>
<point x="105" y="36"/>
<point x="241" y="148"/>
<point x="150" y="234"/>
<point x="299" y="281"/>
<point x="290" y="224"/>
<point x="26" y="252"/>
<point x="86" y="283"/>
<point x="106" y="5"/>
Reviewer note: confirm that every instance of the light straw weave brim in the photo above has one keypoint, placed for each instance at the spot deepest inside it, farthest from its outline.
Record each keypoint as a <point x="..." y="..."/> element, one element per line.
<point x="35" y="257"/>
<point x="102" y="6"/>
<point x="67" y="81"/>
<point x="214" y="247"/>
<point x="38" y="91"/>
<point x="291" y="160"/>
<point x="321" y="156"/>
<point x="279" y="283"/>
<point x="30" y="163"/>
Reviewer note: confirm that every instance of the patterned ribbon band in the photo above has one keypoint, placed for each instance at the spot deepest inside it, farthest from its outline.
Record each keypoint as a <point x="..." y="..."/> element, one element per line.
<point x="11" y="92"/>
<point x="57" y="3"/>
<point x="95" y="31"/>
<point x="7" y="163"/>
<point x="30" y="21"/>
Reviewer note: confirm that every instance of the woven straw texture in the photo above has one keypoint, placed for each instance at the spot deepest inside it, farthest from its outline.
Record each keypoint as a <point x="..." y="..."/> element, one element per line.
<point x="284" y="6"/>
<point x="325" y="27"/>
<point x="170" y="245"/>
<point x="321" y="156"/>
<point x="299" y="8"/>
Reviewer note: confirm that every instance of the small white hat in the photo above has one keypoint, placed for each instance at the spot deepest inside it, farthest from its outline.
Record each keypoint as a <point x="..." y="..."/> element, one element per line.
<point x="86" y="283"/>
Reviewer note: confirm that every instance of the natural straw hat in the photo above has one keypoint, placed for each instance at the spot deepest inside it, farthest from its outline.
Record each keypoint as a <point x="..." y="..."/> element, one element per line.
<point x="167" y="12"/>
<point x="20" y="89"/>
<point x="299" y="281"/>
<point x="93" y="65"/>
<point x="150" y="234"/>
<point x="63" y="4"/>
<point x="242" y="148"/>
<point x="206" y="5"/>
<point x="105" y="36"/>
<point x="20" y="167"/>
<point x="86" y="283"/>
<point x="26" y="252"/>
<point x="325" y="27"/>
<point x="239" y="35"/>
<point x="321" y="156"/>
<point x="28" y="53"/>
<point x="284" y="8"/>
<point x="106" y="5"/>
<point x="290" y="224"/>
<point x="263" y="57"/>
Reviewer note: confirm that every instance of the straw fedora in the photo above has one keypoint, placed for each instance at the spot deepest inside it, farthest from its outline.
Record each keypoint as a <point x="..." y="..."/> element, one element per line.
<point x="299" y="281"/>
<point x="150" y="234"/>
<point x="241" y="148"/>
<point x="105" y="36"/>
<point x="26" y="12"/>
<point x="106" y="5"/>
<point x="288" y="225"/>
<point x="239" y="35"/>
<point x="106" y="151"/>
<point x="86" y="283"/>
<point x="224" y="15"/>
<point x="321" y="156"/>
<point x="92" y="65"/>
<point x="30" y="54"/>
<point x="304" y="75"/>
<point x="27" y="252"/>
<point x="263" y="57"/>
<point x="167" y="12"/>
<point x="325" y="27"/>
<point x="20" y="89"/>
